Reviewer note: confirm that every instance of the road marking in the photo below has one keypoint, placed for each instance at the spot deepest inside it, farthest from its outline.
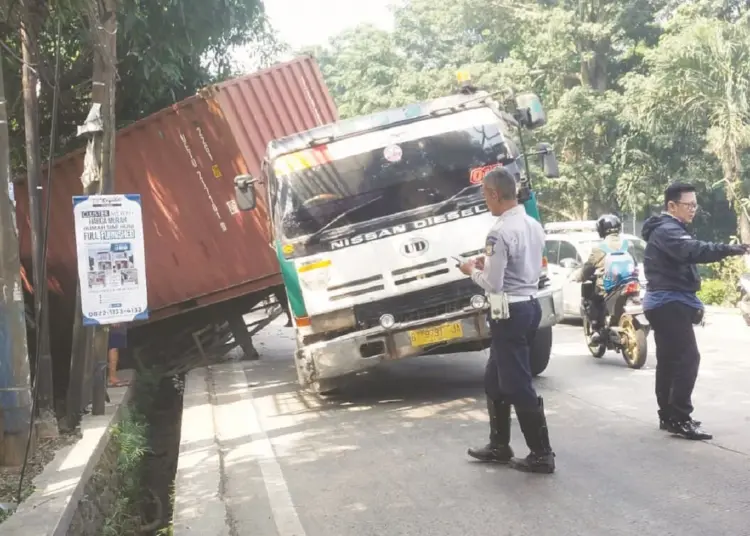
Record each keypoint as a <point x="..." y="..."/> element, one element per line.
<point x="282" y="507"/>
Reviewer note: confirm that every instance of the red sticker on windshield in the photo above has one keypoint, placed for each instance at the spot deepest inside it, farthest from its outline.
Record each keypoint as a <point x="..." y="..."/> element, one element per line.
<point x="477" y="174"/>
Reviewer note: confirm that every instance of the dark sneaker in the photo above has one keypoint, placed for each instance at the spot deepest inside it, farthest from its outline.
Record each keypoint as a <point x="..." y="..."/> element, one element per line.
<point x="689" y="430"/>
<point x="492" y="453"/>
<point x="535" y="463"/>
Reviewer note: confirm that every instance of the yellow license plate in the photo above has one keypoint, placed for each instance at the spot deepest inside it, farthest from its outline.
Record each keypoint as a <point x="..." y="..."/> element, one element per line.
<point x="437" y="334"/>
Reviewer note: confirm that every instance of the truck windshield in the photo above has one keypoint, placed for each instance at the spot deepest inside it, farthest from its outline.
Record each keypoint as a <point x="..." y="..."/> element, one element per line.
<point x="388" y="172"/>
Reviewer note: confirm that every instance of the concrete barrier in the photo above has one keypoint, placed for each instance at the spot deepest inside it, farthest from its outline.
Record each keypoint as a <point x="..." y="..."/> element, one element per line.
<point x="59" y="488"/>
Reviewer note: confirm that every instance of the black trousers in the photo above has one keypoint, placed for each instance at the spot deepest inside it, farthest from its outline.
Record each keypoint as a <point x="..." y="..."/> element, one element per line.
<point x="507" y="376"/>
<point x="677" y="358"/>
<point x="596" y="310"/>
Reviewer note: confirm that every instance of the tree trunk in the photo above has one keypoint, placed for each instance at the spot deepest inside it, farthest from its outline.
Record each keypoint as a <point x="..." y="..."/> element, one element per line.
<point x="743" y="223"/>
<point x="733" y="188"/>
<point x="99" y="180"/>
<point x="594" y="67"/>
<point x="30" y="26"/>
<point x="15" y="389"/>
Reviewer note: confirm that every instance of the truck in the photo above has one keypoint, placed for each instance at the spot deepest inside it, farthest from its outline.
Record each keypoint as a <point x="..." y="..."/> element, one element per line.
<point x="368" y="216"/>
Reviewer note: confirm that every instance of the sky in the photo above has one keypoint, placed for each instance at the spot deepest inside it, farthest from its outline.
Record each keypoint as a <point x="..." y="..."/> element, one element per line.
<point x="302" y="23"/>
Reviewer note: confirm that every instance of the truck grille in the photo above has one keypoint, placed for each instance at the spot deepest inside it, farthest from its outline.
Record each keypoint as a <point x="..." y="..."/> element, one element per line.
<point x="418" y="305"/>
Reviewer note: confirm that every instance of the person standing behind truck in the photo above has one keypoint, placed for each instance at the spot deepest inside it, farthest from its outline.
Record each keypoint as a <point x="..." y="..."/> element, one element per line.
<point x="118" y="340"/>
<point x="672" y="306"/>
<point x="509" y="273"/>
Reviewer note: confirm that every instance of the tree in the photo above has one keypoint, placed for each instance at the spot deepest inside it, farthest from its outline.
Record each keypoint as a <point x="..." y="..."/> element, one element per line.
<point x="699" y="84"/>
<point x="169" y="50"/>
<point x="572" y="53"/>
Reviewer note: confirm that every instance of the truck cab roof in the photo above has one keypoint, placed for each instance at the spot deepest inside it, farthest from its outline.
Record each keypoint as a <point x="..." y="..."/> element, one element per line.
<point x="378" y="120"/>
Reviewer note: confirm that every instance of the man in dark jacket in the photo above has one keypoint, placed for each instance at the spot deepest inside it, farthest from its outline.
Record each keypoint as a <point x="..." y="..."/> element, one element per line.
<point x="672" y="306"/>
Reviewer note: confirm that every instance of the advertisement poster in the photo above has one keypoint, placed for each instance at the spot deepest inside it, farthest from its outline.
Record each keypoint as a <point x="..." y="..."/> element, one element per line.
<point x="111" y="258"/>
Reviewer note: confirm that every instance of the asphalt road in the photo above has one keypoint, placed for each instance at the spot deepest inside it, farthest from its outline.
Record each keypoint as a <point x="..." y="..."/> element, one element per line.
<point x="388" y="456"/>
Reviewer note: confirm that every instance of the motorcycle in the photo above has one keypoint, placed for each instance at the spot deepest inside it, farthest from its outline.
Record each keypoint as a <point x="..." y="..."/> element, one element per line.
<point x="625" y="328"/>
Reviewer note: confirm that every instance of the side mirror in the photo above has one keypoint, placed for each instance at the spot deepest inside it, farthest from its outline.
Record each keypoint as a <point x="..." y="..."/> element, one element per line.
<point x="244" y="192"/>
<point x="548" y="161"/>
<point x="569" y="264"/>
<point x="530" y="111"/>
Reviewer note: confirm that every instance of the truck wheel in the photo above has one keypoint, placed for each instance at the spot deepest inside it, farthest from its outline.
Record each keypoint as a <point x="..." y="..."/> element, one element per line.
<point x="540" y="351"/>
<point x="326" y="387"/>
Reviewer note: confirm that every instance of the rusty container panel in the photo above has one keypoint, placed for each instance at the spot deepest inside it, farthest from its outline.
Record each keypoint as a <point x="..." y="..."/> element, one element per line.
<point x="199" y="248"/>
<point x="255" y="116"/>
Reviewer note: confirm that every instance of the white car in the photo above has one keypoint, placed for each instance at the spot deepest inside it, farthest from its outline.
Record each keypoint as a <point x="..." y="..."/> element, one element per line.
<point x="568" y="246"/>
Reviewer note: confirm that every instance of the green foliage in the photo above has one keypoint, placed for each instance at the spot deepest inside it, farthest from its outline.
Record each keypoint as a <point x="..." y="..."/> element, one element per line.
<point x="721" y="286"/>
<point x="167" y="50"/>
<point x="638" y="92"/>
<point x="713" y="292"/>
<point x="130" y="440"/>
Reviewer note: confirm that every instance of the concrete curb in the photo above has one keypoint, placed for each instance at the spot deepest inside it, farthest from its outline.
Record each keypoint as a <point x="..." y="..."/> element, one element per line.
<point x="198" y="505"/>
<point x="49" y="511"/>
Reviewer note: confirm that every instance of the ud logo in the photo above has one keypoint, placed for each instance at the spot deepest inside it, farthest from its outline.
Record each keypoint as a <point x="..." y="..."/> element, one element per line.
<point x="415" y="247"/>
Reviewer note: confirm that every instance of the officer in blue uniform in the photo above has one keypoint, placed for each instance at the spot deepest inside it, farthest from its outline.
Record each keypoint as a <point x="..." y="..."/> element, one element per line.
<point x="509" y="273"/>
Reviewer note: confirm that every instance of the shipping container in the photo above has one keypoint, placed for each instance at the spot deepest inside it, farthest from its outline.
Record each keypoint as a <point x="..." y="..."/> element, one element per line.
<point x="200" y="250"/>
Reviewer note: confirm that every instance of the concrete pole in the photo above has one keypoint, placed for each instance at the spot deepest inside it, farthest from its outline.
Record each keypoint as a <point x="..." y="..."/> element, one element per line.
<point x="15" y="378"/>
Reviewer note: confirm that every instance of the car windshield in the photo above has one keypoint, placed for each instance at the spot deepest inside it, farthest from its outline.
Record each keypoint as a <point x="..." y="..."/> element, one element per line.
<point x="388" y="172"/>
<point x="636" y="247"/>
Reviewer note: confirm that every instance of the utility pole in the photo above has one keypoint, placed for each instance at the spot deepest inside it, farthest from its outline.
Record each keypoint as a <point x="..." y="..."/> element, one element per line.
<point x="15" y="379"/>
<point x="89" y="348"/>
<point x="30" y="25"/>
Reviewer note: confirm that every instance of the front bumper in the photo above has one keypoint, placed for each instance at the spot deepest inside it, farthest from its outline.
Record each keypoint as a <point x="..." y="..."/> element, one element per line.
<point x="361" y="350"/>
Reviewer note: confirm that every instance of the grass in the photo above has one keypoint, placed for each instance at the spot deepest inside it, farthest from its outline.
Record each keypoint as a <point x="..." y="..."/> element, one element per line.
<point x="130" y="440"/>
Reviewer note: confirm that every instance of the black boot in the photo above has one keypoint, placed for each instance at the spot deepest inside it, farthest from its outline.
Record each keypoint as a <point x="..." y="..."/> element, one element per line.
<point x="498" y="449"/>
<point x="533" y="423"/>
<point x="687" y="428"/>
<point x="664" y="422"/>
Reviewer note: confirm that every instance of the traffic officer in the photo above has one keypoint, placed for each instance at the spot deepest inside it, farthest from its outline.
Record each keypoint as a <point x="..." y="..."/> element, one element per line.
<point x="509" y="273"/>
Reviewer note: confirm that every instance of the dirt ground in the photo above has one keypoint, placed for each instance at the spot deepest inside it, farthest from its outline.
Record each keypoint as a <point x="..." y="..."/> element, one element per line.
<point x="45" y="452"/>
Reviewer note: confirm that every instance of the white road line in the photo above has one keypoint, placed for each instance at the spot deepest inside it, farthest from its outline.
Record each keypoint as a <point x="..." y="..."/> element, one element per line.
<point x="282" y="507"/>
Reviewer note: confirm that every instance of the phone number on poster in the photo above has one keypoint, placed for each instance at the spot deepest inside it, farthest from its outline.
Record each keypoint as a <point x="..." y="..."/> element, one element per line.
<point x="116" y="312"/>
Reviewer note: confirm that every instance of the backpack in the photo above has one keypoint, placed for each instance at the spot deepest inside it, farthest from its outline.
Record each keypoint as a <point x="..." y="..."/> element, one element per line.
<point x="619" y="266"/>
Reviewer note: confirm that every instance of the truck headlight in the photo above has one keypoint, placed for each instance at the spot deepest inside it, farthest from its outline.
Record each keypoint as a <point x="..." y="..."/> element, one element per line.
<point x="387" y="321"/>
<point x="333" y="321"/>
<point x="478" y="301"/>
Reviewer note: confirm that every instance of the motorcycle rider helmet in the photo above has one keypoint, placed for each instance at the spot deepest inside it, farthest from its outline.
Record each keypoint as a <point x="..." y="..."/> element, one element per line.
<point x="608" y="224"/>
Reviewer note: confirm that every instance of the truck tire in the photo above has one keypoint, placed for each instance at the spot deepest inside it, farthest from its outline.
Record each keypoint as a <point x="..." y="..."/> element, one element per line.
<point x="540" y="351"/>
<point x="326" y="388"/>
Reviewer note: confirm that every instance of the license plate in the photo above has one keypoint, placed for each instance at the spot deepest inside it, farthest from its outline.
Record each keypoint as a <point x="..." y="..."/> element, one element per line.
<point x="437" y="334"/>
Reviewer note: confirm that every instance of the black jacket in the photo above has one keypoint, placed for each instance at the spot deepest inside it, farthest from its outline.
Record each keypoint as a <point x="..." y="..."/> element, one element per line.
<point x="672" y="253"/>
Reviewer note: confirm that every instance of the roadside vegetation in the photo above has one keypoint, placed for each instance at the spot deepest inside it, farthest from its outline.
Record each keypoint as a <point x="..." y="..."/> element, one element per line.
<point x="147" y="443"/>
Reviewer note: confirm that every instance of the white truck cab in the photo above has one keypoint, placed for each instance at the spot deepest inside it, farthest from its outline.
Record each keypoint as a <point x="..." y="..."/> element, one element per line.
<point x="368" y="216"/>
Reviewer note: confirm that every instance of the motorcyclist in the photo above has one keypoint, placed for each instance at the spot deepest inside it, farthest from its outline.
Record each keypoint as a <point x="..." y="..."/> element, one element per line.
<point x="609" y="228"/>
